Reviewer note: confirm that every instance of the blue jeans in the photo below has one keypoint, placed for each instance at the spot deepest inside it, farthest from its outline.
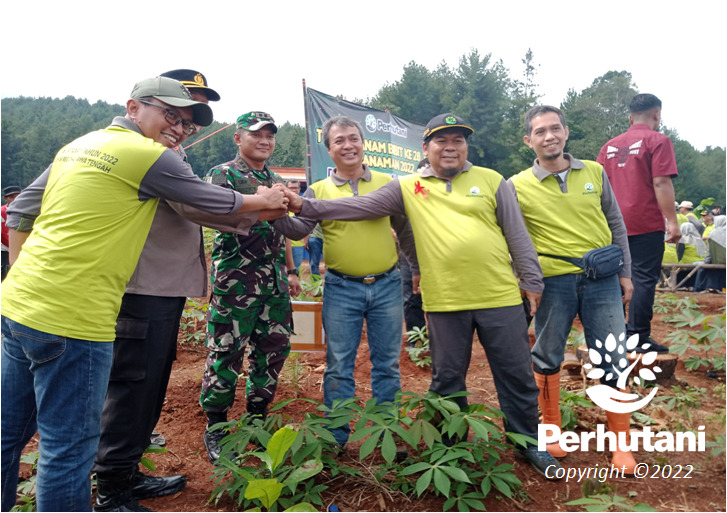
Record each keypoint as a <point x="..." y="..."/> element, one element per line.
<point x="346" y="304"/>
<point x="298" y="255"/>
<point x="597" y="303"/>
<point x="56" y="385"/>
<point x="315" y="252"/>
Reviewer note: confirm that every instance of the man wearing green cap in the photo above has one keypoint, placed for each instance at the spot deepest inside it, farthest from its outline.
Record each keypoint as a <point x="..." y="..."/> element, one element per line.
<point x="250" y="301"/>
<point x="62" y="295"/>
<point x="467" y="226"/>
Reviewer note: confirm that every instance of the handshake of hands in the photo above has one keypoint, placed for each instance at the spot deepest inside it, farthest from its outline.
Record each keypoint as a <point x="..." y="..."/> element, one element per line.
<point x="279" y="200"/>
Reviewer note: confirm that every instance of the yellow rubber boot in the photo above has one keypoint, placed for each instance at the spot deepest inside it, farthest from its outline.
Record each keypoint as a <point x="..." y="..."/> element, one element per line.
<point x="621" y="423"/>
<point x="549" y="402"/>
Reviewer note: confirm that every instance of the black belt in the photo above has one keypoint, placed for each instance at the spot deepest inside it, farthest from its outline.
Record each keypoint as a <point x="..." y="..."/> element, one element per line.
<point x="368" y="279"/>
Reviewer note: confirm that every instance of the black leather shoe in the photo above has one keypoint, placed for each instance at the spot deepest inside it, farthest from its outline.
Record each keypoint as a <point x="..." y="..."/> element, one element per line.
<point x="649" y="344"/>
<point x="146" y="487"/>
<point x="129" y="504"/>
<point x="211" y="440"/>
<point x="113" y="493"/>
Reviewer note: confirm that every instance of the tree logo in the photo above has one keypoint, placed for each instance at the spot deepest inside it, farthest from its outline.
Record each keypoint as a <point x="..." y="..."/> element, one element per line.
<point x="589" y="187"/>
<point x="474" y="190"/>
<point x="612" y="399"/>
<point x="371" y="123"/>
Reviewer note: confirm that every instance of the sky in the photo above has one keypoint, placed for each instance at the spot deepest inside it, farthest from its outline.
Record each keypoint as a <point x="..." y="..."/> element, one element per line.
<point x="256" y="54"/>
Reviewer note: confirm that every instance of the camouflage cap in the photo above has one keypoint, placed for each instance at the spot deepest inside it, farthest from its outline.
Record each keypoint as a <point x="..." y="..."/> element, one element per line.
<point x="254" y="121"/>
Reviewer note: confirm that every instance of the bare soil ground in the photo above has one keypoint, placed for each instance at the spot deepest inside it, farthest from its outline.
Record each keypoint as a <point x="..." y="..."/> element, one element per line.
<point x="183" y="422"/>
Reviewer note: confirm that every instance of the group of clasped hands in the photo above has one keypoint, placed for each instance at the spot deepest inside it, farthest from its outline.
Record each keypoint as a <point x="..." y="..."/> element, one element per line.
<point x="280" y="200"/>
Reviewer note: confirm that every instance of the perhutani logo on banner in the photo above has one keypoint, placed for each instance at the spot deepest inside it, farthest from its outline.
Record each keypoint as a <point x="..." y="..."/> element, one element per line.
<point x="615" y="354"/>
<point x="374" y="124"/>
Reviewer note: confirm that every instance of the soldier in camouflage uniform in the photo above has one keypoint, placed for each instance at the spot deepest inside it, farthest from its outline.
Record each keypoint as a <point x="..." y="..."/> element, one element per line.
<point x="250" y="303"/>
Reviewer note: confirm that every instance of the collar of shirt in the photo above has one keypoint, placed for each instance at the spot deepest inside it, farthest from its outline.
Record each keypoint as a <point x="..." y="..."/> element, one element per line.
<point x="339" y="180"/>
<point x="127" y="124"/>
<point x="243" y="166"/>
<point x="428" y="172"/>
<point x="541" y="174"/>
<point x="640" y="126"/>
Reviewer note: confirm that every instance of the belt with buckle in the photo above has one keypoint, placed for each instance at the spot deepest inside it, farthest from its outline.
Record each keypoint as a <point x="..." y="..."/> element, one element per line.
<point x="368" y="279"/>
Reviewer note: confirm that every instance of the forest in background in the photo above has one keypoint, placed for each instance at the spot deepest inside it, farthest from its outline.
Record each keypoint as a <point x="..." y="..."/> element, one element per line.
<point x="479" y="89"/>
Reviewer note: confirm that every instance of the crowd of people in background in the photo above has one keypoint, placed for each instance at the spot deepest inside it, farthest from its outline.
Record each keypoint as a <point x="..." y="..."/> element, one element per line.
<point x="99" y="266"/>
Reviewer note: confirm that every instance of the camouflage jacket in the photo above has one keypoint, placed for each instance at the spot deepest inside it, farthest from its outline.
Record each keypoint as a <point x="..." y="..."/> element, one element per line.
<point x="251" y="264"/>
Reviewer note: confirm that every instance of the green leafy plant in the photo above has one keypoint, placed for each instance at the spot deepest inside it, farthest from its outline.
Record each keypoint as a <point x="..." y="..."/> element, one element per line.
<point x="418" y="346"/>
<point x="569" y="401"/>
<point x="440" y="457"/>
<point x="707" y="338"/>
<point x="666" y="303"/>
<point x="682" y="400"/>
<point x="192" y="327"/>
<point x="717" y="445"/>
<point x="575" y="338"/>
<point x="26" y="487"/>
<point x="262" y="484"/>
<point x="152" y="449"/>
<point x="606" y="502"/>
<point x="312" y="286"/>
<point x="427" y="445"/>
<point x="282" y="464"/>
<point x="208" y="238"/>
<point x="293" y="371"/>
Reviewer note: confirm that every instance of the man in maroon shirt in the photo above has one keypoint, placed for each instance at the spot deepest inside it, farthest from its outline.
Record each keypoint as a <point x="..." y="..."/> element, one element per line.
<point x="640" y="164"/>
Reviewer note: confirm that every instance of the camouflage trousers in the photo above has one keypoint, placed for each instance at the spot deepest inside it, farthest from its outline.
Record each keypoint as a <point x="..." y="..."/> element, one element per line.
<point x="257" y="325"/>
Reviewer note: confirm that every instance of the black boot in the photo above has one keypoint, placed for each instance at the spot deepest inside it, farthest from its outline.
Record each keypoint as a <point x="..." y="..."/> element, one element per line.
<point x="257" y="409"/>
<point x="113" y="493"/>
<point x="212" y="439"/>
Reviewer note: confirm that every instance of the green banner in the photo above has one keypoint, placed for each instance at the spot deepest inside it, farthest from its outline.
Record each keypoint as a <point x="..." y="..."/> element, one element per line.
<point x="391" y="144"/>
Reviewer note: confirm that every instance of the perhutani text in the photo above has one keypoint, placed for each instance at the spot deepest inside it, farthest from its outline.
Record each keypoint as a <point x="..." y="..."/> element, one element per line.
<point x="645" y="440"/>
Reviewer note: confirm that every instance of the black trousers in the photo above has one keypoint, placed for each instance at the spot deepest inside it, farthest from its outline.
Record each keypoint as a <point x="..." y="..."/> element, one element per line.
<point x="144" y="351"/>
<point x="647" y="252"/>
<point x="5" y="263"/>
<point x="413" y="313"/>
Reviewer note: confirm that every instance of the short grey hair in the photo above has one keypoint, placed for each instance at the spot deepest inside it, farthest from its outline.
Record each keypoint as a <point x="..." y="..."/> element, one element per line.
<point x="341" y="121"/>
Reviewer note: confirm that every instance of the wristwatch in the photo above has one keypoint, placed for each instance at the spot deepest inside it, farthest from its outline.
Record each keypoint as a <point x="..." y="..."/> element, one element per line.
<point x="293" y="271"/>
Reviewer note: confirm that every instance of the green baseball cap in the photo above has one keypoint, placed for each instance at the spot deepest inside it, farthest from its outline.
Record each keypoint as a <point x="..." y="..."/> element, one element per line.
<point x="254" y="121"/>
<point x="172" y="92"/>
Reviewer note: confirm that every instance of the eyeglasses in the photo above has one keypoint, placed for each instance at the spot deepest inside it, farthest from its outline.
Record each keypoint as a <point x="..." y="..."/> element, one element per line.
<point x="174" y="119"/>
